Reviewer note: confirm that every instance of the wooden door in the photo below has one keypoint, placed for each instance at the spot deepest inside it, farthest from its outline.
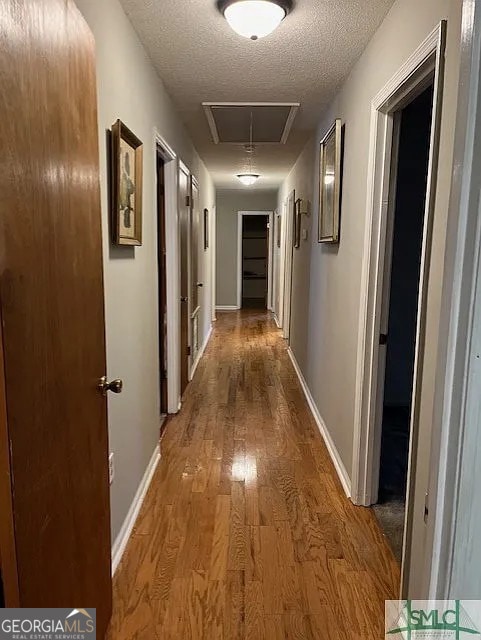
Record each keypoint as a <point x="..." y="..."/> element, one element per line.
<point x="184" y="212"/>
<point x="195" y="244"/>
<point x="162" y="282"/>
<point x="53" y="419"/>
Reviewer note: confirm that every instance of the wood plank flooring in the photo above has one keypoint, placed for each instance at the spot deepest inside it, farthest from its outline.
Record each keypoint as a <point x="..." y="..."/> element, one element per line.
<point x="246" y="532"/>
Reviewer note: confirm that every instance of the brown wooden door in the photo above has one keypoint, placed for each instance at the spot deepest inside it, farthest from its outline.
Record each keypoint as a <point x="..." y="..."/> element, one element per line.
<point x="184" y="208"/>
<point x="51" y="293"/>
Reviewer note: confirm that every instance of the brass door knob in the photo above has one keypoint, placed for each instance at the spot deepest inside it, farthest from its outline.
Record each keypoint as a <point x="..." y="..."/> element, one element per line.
<point x="116" y="386"/>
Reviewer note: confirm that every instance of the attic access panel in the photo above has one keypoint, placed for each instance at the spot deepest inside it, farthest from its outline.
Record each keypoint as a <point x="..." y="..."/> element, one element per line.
<point x="230" y="122"/>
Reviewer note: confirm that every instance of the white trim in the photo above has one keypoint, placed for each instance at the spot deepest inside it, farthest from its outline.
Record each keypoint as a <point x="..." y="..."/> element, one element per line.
<point x="288" y="263"/>
<point x="183" y="167"/>
<point x="418" y="67"/>
<point x="270" y="264"/>
<point x="456" y="331"/>
<point x="326" y="436"/>
<point x="213" y="250"/>
<point x="240" y="216"/>
<point x="276" y="320"/>
<point x="232" y="307"/>
<point x="282" y="260"/>
<point x="123" y="537"/>
<point x="201" y="352"/>
<point x="169" y="153"/>
<point x="207" y="106"/>
<point x="290" y="122"/>
<point x="173" y="269"/>
<point x="426" y="63"/>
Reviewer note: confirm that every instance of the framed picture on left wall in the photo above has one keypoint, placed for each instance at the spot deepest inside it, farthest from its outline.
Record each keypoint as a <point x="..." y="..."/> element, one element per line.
<point x="127" y="177"/>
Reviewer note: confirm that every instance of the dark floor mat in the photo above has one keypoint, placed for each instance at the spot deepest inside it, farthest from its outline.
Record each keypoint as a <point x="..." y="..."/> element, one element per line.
<point x="393" y="475"/>
<point x="390" y="515"/>
<point x="394" y="453"/>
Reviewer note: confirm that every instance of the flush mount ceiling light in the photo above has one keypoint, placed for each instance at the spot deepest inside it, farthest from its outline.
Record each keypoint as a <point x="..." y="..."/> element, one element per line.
<point x="248" y="179"/>
<point x="254" y="19"/>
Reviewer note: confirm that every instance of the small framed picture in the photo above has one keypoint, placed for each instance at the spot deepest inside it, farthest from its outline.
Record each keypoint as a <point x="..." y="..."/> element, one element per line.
<point x="278" y="229"/>
<point x="330" y="184"/>
<point x="127" y="174"/>
<point x="206" y="229"/>
<point x="297" y="223"/>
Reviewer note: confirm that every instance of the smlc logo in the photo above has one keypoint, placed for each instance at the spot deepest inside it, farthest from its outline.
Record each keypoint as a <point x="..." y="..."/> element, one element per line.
<point x="433" y="620"/>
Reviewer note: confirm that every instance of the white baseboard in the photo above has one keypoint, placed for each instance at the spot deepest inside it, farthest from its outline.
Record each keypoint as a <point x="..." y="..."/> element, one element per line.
<point x="201" y="352"/>
<point x="326" y="436"/>
<point x="276" y="320"/>
<point x="122" y="539"/>
<point x="228" y="308"/>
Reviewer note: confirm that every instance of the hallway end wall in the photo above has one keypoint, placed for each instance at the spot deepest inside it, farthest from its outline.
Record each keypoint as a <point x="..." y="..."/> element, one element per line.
<point x="329" y="361"/>
<point x="229" y="202"/>
<point x="129" y="88"/>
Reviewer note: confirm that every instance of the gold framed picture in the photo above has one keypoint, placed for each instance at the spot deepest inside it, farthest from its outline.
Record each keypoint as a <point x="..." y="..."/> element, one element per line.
<point x="127" y="175"/>
<point x="330" y="184"/>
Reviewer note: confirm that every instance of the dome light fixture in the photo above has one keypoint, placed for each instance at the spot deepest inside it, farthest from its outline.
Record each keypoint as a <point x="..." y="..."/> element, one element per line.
<point x="254" y="19"/>
<point x="248" y="179"/>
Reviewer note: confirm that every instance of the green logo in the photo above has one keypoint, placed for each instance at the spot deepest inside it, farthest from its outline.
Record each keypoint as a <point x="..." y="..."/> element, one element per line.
<point x="444" y="619"/>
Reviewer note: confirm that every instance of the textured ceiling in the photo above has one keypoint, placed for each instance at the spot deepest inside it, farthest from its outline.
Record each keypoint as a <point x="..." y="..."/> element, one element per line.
<point x="305" y="60"/>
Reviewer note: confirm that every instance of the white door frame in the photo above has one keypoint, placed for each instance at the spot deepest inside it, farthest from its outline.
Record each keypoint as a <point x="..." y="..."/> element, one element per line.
<point x="282" y="260"/>
<point x="240" y="218"/>
<point x="213" y="266"/>
<point x="426" y="63"/>
<point x="453" y="423"/>
<point x="172" y="239"/>
<point x="288" y="249"/>
<point x="271" y="258"/>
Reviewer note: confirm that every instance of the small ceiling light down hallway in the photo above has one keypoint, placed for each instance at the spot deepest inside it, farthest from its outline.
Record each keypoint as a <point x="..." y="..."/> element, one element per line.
<point x="254" y="19"/>
<point x="248" y="179"/>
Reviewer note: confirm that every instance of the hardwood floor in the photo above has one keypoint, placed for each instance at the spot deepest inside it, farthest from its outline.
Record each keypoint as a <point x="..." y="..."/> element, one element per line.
<point x="246" y="531"/>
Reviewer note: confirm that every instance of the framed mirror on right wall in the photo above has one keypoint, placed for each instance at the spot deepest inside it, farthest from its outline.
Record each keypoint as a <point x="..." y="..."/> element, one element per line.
<point x="330" y="179"/>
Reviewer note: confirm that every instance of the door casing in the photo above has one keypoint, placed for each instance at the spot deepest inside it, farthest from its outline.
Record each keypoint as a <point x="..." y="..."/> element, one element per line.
<point x="185" y="279"/>
<point x="288" y="250"/>
<point x="171" y="202"/>
<point x="424" y="67"/>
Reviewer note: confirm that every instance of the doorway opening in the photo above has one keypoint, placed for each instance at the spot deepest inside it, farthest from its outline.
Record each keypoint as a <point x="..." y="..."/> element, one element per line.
<point x="185" y="279"/>
<point x="398" y="100"/>
<point x="402" y="273"/>
<point x="255" y="255"/>
<point x="162" y="283"/>
<point x="254" y="269"/>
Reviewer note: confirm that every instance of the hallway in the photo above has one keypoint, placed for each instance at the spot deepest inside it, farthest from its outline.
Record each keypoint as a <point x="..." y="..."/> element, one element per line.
<point x="246" y="531"/>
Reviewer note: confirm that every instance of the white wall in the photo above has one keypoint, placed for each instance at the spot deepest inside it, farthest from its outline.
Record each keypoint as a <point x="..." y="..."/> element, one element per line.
<point x="326" y="285"/>
<point x="229" y="202"/>
<point x="301" y="180"/>
<point x="130" y="89"/>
